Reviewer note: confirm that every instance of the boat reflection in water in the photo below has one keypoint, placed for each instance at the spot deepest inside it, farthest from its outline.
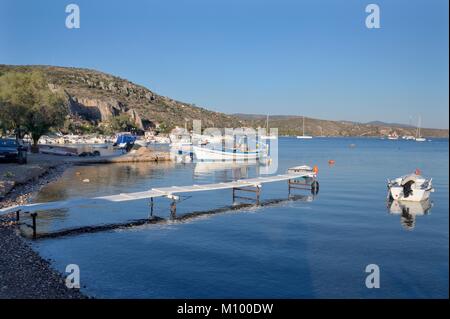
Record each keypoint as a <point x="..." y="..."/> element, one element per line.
<point x="409" y="210"/>
<point x="203" y="168"/>
<point x="226" y="171"/>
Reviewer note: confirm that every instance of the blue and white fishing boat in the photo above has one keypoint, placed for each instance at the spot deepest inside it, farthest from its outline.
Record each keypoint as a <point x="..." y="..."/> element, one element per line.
<point x="208" y="154"/>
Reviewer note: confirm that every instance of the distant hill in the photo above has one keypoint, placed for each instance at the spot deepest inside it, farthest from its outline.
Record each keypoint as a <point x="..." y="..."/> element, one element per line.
<point x="96" y="97"/>
<point x="380" y="123"/>
<point x="292" y="125"/>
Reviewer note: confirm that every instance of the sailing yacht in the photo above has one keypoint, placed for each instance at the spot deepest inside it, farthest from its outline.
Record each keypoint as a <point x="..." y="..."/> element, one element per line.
<point x="268" y="136"/>
<point x="321" y="132"/>
<point x="418" y="137"/>
<point x="304" y="136"/>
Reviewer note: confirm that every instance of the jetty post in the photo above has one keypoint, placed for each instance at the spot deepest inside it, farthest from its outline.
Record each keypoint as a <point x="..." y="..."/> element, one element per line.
<point x="151" y="207"/>
<point x="256" y="189"/>
<point x="33" y="226"/>
<point x="173" y="209"/>
<point x="313" y="186"/>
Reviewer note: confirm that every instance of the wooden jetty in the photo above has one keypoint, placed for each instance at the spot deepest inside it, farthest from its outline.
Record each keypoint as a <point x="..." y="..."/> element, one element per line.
<point x="299" y="177"/>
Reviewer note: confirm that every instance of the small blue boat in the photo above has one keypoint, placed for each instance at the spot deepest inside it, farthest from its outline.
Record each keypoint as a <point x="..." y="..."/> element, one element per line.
<point x="125" y="141"/>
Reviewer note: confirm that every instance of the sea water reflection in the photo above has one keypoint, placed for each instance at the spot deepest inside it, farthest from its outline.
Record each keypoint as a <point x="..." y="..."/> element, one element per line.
<point x="83" y="182"/>
<point x="408" y="211"/>
<point x="297" y="249"/>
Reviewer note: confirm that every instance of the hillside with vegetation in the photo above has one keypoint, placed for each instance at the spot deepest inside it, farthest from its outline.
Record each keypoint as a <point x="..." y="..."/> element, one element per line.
<point x="100" y="102"/>
<point x="97" y="100"/>
<point x="293" y="125"/>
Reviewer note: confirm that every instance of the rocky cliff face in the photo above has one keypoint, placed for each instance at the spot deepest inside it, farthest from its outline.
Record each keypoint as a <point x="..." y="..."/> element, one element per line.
<point x="97" y="96"/>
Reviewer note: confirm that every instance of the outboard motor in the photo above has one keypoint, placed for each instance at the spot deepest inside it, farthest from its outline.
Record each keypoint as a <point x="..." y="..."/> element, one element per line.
<point x="407" y="189"/>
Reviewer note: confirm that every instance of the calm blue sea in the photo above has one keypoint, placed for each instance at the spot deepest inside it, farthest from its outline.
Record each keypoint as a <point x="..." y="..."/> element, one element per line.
<point x="315" y="247"/>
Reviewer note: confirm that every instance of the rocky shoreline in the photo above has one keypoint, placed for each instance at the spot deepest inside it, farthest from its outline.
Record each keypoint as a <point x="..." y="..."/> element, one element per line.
<point x="21" y="193"/>
<point x="23" y="273"/>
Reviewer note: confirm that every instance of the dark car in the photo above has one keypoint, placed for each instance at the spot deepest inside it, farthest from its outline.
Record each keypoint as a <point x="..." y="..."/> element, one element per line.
<point x="12" y="149"/>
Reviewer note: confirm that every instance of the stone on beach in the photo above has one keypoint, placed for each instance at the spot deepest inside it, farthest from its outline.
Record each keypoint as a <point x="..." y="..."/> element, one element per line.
<point x="143" y="154"/>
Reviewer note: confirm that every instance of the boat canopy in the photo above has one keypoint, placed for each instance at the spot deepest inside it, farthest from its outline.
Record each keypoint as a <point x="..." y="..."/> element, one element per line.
<point x="125" y="138"/>
<point x="412" y="178"/>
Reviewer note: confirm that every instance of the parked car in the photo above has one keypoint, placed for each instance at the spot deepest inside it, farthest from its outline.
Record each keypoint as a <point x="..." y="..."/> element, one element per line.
<point x="13" y="149"/>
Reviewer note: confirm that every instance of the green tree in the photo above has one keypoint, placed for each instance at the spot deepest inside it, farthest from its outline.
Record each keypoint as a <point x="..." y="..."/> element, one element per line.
<point x="122" y="123"/>
<point x="50" y="112"/>
<point x="14" y="102"/>
<point x="27" y="105"/>
<point x="162" y="128"/>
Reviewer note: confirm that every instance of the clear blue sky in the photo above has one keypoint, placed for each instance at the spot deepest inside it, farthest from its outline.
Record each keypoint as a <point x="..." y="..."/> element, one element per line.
<point x="313" y="58"/>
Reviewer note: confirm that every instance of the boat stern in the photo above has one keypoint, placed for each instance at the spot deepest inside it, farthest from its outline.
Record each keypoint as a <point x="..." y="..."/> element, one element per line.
<point x="396" y="192"/>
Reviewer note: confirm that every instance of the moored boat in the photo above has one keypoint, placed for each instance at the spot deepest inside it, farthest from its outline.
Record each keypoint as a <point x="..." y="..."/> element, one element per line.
<point x="412" y="187"/>
<point x="393" y="137"/>
<point x="419" y="137"/>
<point x="207" y="154"/>
<point x="268" y="135"/>
<point x="303" y="136"/>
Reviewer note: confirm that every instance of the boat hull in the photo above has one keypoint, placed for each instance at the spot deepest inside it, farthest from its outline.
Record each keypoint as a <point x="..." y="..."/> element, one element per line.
<point x="268" y="137"/>
<point x="206" y="154"/>
<point x="416" y="195"/>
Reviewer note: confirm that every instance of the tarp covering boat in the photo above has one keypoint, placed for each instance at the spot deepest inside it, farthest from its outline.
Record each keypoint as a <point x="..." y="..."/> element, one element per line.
<point x="125" y="139"/>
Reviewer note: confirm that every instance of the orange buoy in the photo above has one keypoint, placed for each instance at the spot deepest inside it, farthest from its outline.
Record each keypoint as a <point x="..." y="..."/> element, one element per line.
<point x="418" y="172"/>
<point x="315" y="169"/>
<point x="331" y="162"/>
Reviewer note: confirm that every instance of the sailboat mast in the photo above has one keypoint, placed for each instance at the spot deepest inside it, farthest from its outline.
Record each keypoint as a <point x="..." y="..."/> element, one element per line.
<point x="418" y="127"/>
<point x="303" y="125"/>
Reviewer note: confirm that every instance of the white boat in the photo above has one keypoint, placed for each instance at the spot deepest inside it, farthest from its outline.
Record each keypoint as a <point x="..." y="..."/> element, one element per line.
<point x="268" y="136"/>
<point x="419" y="138"/>
<point x="393" y="136"/>
<point x="207" y="154"/>
<point x="304" y="136"/>
<point x="63" y="151"/>
<point x="302" y="169"/>
<point x="412" y="187"/>
<point x="141" y="142"/>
